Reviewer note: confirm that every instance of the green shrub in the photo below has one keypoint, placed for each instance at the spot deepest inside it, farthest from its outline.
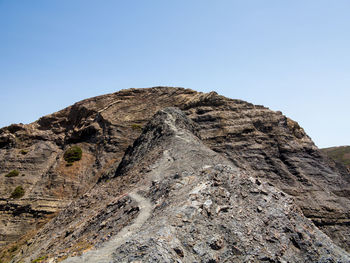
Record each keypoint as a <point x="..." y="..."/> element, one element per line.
<point x="13" y="173"/>
<point x="40" y="259"/>
<point x="137" y="127"/>
<point x="18" y="192"/>
<point x="72" y="154"/>
<point x="24" y="151"/>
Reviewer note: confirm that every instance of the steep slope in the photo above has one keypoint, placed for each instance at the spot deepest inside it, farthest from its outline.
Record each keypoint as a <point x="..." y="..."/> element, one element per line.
<point x="186" y="203"/>
<point x="340" y="156"/>
<point x="252" y="137"/>
<point x="102" y="126"/>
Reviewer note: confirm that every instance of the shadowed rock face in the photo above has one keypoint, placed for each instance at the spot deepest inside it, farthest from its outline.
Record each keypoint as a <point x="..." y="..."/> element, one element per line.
<point x="250" y="139"/>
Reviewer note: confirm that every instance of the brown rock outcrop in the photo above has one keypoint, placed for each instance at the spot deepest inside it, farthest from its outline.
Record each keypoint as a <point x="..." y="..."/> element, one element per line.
<point x="250" y="137"/>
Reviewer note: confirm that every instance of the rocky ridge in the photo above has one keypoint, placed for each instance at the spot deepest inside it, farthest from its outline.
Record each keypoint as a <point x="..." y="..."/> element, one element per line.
<point x="247" y="137"/>
<point x="197" y="207"/>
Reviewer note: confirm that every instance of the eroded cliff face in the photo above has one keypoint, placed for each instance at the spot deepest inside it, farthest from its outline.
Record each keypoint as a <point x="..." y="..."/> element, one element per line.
<point x="246" y="137"/>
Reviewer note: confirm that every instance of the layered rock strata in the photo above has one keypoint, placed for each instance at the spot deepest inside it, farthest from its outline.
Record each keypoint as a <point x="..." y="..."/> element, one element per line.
<point x="172" y="199"/>
<point x="251" y="138"/>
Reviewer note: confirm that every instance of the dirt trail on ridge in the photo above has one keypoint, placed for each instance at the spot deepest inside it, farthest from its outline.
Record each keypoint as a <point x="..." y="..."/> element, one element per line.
<point x="104" y="253"/>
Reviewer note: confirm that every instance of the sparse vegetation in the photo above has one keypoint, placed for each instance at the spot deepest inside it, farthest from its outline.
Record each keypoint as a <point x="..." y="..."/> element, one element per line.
<point x="13" y="173"/>
<point x="39" y="259"/>
<point x="61" y="258"/>
<point x="18" y="192"/>
<point x="80" y="246"/>
<point x="13" y="249"/>
<point x="7" y="256"/>
<point x="72" y="155"/>
<point x="24" y="151"/>
<point x="137" y="127"/>
<point x="339" y="154"/>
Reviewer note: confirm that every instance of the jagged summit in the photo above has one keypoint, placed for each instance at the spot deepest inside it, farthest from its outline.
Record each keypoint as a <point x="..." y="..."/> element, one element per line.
<point x="182" y="173"/>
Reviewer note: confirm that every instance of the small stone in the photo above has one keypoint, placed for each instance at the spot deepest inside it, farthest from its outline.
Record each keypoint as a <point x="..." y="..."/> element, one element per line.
<point x="179" y="252"/>
<point x="217" y="244"/>
<point x="223" y="209"/>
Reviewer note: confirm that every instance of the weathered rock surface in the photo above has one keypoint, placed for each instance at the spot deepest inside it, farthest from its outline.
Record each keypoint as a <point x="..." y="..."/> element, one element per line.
<point x="245" y="140"/>
<point x="185" y="203"/>
<point x="338" y="158"/>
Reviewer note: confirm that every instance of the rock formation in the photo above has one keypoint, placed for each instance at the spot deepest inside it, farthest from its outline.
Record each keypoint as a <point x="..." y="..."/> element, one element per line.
<point x="211" y="180"/>
<point x="338" y="158"/>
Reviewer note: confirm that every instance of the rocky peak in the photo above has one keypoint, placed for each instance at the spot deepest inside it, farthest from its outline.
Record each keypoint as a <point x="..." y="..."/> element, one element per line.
<point x="163" y="125"/>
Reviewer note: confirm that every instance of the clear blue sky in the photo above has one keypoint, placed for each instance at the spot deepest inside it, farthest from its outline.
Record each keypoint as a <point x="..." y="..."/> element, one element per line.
<point x="292" y="56"/>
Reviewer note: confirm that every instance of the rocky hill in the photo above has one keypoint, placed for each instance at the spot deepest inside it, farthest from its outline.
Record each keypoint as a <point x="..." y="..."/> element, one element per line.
<point x="340" y="156"/>
<point x="211" y="180"/>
